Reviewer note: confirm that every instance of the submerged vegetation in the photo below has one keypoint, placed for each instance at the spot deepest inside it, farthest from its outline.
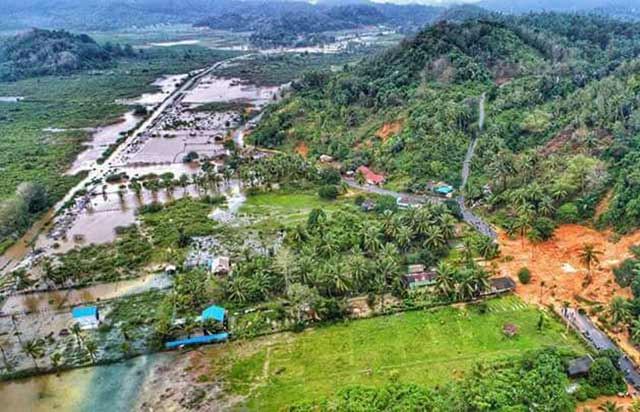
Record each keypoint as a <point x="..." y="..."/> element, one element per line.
<point x="43" y="133"/>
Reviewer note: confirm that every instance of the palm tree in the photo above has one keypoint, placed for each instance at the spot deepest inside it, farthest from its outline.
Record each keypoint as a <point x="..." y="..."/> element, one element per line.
<point x="634" y="332"/>
<point x="261" y="283"/>
<point x="183" y="181"/>
<point x="92" y="349"/>
<point x="589" y="256"/>
<point x="5" y="360"/>
<point x="445" y="282"/>
<point x="34" y="349"/>
<point x="371" y="239"/>
<point x="535" y="239"/>
<point x="359" y="269"/>
<point x="77" y="332"/>
<point x="285" y="264"/>
<point x="523" y="225"/>
<point x="487" y="247"/>
<point x="56" y="360"/>
<point x="434" y="238"/>
<point x="447" y="225"/>
<point x="403" y="238"/>
<point x="619" y="310"/>
<point x="610" y="406"/>
<point x="635" y="406"/>
<point x="238" y="289"/>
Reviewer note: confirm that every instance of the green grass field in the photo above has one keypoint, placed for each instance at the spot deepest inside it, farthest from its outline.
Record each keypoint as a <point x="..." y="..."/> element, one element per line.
<point x="428" y="348"/>
<point x="288" y="209"/>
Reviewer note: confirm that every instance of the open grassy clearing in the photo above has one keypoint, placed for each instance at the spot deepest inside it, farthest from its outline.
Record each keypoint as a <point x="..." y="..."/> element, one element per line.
<point x="427" y="348"/>
<point x="288" y="209"/>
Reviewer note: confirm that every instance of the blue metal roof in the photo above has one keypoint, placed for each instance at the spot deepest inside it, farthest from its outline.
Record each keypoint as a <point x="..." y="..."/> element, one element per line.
<point x="445" y="190"/>
<point x="213" y="312"/>
<point x="218" y="337"/>
<point x="84" y="311"/>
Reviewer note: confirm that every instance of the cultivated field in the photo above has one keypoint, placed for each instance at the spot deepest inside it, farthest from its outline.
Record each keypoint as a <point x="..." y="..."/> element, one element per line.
<point x="425" y="348"/>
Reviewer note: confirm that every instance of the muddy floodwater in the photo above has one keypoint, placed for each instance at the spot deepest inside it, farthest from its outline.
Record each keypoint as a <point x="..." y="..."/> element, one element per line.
<point x="100" y="141"/>
<point x="166" y="84"/>
<point x="215" y="89"/>
<point x="109" y="388"/>
<point x="54" y="300"/>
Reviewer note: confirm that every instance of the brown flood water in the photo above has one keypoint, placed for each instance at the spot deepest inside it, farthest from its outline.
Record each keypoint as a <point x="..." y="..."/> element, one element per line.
<point x="100" y="141"/>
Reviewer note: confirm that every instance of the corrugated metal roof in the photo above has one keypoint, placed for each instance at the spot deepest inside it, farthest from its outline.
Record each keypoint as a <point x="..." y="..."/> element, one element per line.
<point x="84" y="311"/>
<point x="218" y="337"/>
<point x="213" y="312"/>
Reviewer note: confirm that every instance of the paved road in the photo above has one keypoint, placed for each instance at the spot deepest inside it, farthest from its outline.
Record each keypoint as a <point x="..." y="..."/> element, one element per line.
<point x="384" y="192"/>
<point x="468" y="216"/>
<point x="100" y="171"/>
<point x="600" y="341"/>
<point x="473" y="220"/>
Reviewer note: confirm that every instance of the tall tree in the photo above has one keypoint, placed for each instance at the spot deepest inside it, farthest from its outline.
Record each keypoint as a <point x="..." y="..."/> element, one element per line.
<point x="589" y="256"/>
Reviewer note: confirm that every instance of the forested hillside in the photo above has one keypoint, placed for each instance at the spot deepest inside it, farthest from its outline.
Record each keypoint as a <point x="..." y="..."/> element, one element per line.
<point x="561" y="116"/>
<point x="300" y="23"/>
<point x="43" y="52"/>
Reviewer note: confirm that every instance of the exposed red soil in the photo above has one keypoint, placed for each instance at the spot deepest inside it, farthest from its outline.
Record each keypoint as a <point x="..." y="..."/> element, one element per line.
<point x="557" y="273"/>
<point x="390" y="129"/>
<point x="595" y="403"/>
<point x="302" y="149"/>
<point x="573" y="140"/>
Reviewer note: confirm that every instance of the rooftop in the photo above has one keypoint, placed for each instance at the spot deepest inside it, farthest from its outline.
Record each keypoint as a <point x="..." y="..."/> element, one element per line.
<point x="370" y="176"/>
<point x="213" y="312"/>
<point x="84" y="311"/>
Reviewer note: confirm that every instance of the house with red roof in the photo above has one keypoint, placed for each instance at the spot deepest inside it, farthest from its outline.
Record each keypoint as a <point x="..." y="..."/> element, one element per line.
<point x="370" y="177"/>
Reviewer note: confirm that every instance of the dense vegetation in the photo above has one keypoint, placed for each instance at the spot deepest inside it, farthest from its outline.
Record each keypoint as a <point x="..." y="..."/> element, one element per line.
<point x="301" y="24"/>
<point x="42" y="52"/>
<point x="560" y="102"/>
<point x="536" y="382"/>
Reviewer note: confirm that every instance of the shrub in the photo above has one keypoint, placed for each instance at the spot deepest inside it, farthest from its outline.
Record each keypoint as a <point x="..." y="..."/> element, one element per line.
<point x="524" y="275"/>
<point x="544" y="227"/>
<point x="568" y="213"/>
<point x="328" y="192"/>
<point x="386" y="203"/>
<point x="624" y="273"/>
<point x="330" y="176"/>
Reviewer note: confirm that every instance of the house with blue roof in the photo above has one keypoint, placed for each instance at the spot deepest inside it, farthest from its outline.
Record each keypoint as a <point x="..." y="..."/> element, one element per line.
<point x="88" y="317"/>
<point x="212" y="313"/>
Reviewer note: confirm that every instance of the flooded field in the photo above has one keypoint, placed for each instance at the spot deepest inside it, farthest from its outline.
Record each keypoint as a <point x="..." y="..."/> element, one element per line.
<point x="110" y="388"/>
<point x="215" y="89"/>
<point x="100" y="141"/>
<point x="166" y="85"/>
<point x="55" y="300"/>
<point x="175" y="43"/>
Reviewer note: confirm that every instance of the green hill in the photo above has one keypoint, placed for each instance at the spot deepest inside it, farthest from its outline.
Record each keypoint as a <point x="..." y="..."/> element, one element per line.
<point x="560" y="106"/>
<point x="43" y="52"/>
